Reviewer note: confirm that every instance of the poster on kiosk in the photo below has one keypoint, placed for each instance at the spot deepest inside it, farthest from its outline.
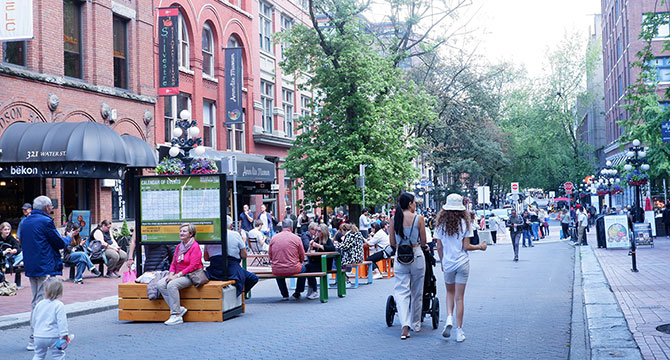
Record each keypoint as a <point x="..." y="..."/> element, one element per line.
<point x="617" y="234"/>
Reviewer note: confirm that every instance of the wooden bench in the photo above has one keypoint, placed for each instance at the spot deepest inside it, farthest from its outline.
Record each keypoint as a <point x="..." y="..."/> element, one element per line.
<point x="323" y="286"/>
<point x="214" y="301"/>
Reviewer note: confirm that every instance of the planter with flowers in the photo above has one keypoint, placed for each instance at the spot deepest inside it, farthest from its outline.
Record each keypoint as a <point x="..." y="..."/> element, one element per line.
<point x="170" y="166"/>
<point x="636" y="178"/>
<point x="204" y="166"/>
<point x="602" y="190"/>
<point x="616" y="189"/>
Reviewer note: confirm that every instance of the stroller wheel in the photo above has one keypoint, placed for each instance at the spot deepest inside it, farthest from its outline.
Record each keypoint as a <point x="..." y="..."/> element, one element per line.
<point x="390" y="310"/>
<point x="435" y="313"/>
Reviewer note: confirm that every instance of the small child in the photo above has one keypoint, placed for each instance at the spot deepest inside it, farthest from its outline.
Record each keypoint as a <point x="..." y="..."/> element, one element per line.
<point x="50" y="323"/>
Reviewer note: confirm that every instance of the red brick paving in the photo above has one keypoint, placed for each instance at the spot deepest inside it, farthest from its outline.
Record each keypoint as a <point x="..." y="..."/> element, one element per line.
<point x="92" y="289"/>
<point x="644" y="296"/>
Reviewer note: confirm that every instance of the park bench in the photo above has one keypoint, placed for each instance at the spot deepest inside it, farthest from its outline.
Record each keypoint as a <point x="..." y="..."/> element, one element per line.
<point x="323" y="293"/>
<point x="17" y="274"/>
<point x="214" y="301"/>
<point x="363" y="269"/>
<point x="73" y="267"/>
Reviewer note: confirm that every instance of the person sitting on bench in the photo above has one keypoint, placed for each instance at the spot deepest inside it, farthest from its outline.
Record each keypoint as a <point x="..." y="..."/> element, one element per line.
<point x="381" y="239"/>
<point x="244" y="280"/>
<point x="287" y="256"/>
<point x="11" y="249"/>
<point x="76" y="254"/>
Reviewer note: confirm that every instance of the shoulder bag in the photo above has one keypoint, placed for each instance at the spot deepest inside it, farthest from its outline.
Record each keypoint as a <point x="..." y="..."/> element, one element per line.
<point x="198" y="277"/>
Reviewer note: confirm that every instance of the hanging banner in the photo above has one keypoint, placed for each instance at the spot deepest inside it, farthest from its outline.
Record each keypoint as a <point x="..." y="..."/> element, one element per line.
<point x="168" y="51"/>
<point x="16" y="20"/>
<point x="233" y="85"/>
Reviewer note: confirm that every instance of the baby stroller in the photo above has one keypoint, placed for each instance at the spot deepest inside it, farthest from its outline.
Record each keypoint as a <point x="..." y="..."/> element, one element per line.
<point x="431" y="305"/>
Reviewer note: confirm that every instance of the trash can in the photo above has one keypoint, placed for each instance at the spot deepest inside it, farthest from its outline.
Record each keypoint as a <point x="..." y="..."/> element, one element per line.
<point x="600" y="231"/>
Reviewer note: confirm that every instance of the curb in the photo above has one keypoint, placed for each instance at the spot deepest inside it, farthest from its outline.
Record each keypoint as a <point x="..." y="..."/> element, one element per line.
<point x="72" y="310"/>
<point x="607" y="329"/>
<point x="579" y="337"/>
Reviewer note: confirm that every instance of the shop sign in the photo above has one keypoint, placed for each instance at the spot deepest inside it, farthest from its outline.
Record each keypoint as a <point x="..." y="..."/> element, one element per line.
<point x="62" y="170"/>
<point x="257" y="171"/>
<point x="16" y="20"/>
<point x="18" y="113"/>
<point x="168" y="51"/>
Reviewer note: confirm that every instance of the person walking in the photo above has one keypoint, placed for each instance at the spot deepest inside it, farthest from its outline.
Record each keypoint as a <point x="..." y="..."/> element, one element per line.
<point x="666" y="219"/>
<point x="526" y="229"/>
<point x="565" y="223"/>
<point x="515" y="224"/>
<point x="408" y="228"/>
<point x="364" y="222"/>
<point x="41" y="244"/>
<point x="453" y="243"/>
<point x="494" y="225"/>
<point x="50" y="323"/>
<point x="582" y="223"/>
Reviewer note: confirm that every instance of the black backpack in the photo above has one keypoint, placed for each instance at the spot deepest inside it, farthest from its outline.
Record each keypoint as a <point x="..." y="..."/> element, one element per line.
<point x="95" y="247"/>
<point x="405" y="252"/>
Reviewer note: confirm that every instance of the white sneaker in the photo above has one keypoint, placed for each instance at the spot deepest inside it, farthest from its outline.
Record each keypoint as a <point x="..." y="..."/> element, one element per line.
<point x="313" y="295"/>
<point x="447" y="327"/>
<point x="174" y="320"/>
<point x="31" y="344"/>
<point x="182" y="311"/>
<point x="377" y="276"/>
<point x="460" y="336"/>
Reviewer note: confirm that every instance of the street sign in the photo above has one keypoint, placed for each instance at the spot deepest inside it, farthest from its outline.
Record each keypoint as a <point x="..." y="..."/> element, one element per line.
<point x="483" y="194"/>
<point x="569" y="192"/>
<point x="552" y="194"/>
<point x="515" y="188"/>
<point x="665" y="131"/>
<point x="569" y="187"/>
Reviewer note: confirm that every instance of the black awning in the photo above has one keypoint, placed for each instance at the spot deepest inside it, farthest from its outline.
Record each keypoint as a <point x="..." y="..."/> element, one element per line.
<point x="139" y="153"/>
<point x="76" y="150"/>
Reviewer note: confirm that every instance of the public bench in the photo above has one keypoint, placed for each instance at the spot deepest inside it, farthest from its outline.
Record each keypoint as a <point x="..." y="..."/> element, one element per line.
<point x="214" y="301"/>
<point x="363" y="269"/>
<point x="17" y="274"/>
<point x="323" y="293"/>
<point x="73" y="267"/>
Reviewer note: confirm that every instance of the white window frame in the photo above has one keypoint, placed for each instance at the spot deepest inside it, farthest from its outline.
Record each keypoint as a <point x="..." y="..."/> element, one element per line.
<point x="209" y="121"/>
<point x="267" y="99"/>
<point x="207" y="29"/>
<point x="265" y="26"/>
<point x="288" y="105"/>
<point x="233" y="132"/>
<point x="171" y="120"/>
<point x="286" y="23"/>
<point x="182" y="37"/>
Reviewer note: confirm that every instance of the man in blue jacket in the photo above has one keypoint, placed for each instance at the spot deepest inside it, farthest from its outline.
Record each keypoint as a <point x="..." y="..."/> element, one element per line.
<point x="41" y="243"/>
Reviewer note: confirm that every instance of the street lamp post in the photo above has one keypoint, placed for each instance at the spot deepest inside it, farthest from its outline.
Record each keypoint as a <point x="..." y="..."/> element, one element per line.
<point x="609" y="177"/>
<point x="636" y="158"/>
<point x="185" y="137"/>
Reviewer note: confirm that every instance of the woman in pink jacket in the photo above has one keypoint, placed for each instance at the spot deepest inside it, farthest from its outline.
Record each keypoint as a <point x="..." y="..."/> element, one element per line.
<point x="187" y="258"/>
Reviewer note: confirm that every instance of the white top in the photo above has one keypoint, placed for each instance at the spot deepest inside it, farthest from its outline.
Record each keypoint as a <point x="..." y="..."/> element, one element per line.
<point x="364" y="222"/>
<point x="263" y="217"/>
<point x="49" y="320"/>
<point x="453" y="254"/>
<point x="381" y="239"/>
<point x="235" y="244"/>
<point x="583" y="219"/>
<point x="493" y="223"/>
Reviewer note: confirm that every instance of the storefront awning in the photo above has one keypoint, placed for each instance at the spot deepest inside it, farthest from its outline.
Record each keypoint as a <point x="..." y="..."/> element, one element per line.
<point x="62" y="150"/>
<point x="139" y="153"/>
<point x="250" y="167"/>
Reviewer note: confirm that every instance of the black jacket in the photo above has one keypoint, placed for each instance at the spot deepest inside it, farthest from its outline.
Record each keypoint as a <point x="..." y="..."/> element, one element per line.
<point x="666" y="216"/>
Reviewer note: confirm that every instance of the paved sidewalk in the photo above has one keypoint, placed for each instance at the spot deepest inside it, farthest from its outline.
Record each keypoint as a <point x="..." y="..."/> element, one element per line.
<point x="644" y="297"/>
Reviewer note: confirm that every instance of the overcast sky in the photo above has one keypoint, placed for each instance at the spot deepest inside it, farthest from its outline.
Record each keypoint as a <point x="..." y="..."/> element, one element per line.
<point x="522" y="30"/>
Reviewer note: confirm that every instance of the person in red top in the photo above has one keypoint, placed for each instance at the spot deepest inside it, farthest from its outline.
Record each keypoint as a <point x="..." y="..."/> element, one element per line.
<point x="287" y="256"/>
<point x="187" y="258"/>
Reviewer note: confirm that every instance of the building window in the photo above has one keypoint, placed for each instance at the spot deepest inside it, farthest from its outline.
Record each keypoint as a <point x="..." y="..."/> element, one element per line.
<point x="619" y="50"/>
<point x="267" y="98"/>
<point x="235" y="137"/>
<point x="120" y="53"/>
<point x="304" y="4"/>
<point x="209" y="123"/>
<point x="182" y="35"/>
<point x="288" y="106"/>
<point x="616" y="5"/>
<point x="620" y="81"/>
<point x="207" y="51"/>
<point x="265" y="22"/>
<point x="286" y="23"/>
<point x="173" y="107"/>
<point x="72" y="38"/>
<point x="662" y="65"/>
<point x="14" y="52"/>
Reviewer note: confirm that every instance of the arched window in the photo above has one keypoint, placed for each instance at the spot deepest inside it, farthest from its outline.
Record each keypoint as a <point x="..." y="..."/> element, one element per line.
<point x="207" y="51"/>
<point x="184" y="51"/>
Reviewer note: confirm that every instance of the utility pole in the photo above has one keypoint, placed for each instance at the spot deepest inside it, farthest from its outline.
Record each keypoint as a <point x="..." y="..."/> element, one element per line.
<point x="361" y="169"/>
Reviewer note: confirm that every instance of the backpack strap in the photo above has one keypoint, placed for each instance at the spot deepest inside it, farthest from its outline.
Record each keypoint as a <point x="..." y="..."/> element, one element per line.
<point x="409" y="237"/>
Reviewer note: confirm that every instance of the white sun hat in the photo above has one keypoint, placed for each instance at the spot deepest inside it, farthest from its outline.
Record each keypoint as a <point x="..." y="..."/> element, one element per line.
<point x="454" y="202"/>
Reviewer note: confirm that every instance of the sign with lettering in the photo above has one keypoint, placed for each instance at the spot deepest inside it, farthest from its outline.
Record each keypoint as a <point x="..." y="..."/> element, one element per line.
<point x="19" y="112"/>
<point x="168" y="51"/>
<point x="16" y="20"/>
<point x="665" y="131"/>
<point x="62" y="170"/>
<point x="233" y="79"/>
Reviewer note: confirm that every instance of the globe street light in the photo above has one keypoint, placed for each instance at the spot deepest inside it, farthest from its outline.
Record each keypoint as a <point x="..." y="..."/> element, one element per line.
<point x="608" y="178"/>
<point x="636" y="159"/>
<point x="185" y="137"/>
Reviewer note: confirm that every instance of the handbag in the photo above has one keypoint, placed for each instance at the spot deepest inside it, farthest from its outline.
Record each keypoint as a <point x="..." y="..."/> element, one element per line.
<point x="405" y="253"/>
<point x="389" y="251"/>
<point x="198" y="277"/>
<point x="129" y="276"/>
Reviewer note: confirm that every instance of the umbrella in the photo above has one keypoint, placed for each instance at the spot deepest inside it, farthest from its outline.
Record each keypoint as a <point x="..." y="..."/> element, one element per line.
<point x="561" y="199"/>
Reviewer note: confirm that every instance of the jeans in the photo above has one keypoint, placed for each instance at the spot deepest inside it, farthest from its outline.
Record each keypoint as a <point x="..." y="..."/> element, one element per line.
<point x="565" y="227"/>
<point x="379" y="255"/>
<point x="527" y="235"/>
<point x="311" y="282"/>
<point x="300" y="287"/>
<point x="515" y="235"/>
<point x="82" y="261"/>
<point x="494" y="236"/>
<point x="535" y="227"/>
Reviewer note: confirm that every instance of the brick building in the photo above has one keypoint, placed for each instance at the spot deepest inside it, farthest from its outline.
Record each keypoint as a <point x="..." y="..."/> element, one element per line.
<point x="621" y="26"/>
<point x="271" y="100"/>
<point x="88" y="64"/>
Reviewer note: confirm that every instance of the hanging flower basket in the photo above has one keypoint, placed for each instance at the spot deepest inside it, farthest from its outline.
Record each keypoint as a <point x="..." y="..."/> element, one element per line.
<point x="616" y="189"/>
<point x="637" y="178"/>
<point x="170" y="166"/>
<point x="602" y="190"/>
<point x="204" y="166"/>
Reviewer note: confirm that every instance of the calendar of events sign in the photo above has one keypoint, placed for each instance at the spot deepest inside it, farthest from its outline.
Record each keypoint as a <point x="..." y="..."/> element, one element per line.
<point x="168" y="202"/>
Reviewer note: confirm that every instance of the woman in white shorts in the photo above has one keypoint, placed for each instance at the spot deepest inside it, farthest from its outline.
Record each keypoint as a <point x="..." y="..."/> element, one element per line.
<point x="452" y="232"/>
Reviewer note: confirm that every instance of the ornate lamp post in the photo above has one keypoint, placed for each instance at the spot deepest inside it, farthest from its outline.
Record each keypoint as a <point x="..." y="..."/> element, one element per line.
<point x="636" y="158"/>
<point x="608" y="178"/>
<point x="185" y="137"/>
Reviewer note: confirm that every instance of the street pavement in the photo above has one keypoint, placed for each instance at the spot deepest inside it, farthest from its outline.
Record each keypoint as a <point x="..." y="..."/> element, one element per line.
<point x="513" y="310"/>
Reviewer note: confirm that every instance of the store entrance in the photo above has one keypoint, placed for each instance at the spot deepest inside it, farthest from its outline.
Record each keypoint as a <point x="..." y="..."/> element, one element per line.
<point x="75" y="195"/>
<point x="13" y="194"/>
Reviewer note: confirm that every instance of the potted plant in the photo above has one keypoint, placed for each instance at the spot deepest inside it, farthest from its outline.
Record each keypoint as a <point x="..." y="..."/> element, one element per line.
<point x="636" y="178"/>
<point x="204" y="166"/>
<point x="170" y="166"/>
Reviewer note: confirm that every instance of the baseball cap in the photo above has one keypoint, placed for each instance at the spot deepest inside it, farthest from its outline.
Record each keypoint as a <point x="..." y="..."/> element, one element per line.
<point x="27" y="206"/>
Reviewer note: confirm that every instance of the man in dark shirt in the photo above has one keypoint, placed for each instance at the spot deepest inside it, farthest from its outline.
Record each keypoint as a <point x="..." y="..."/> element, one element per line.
<point x="666" y="219"/>
<point x="515" y="224"/>
<point x="246" y="219"/>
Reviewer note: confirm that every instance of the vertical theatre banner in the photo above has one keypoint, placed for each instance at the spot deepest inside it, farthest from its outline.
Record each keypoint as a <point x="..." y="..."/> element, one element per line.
<point x="16" y="20"/>
<point x="233" y="79"/>
<point x="168" y="51"/>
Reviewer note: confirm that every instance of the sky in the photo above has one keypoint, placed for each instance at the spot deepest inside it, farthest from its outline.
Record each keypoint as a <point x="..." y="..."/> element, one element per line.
<point x="521" y="31"/>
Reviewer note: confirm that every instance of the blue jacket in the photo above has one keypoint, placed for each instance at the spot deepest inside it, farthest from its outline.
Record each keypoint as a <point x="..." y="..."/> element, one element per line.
<point x="41" y="243"/>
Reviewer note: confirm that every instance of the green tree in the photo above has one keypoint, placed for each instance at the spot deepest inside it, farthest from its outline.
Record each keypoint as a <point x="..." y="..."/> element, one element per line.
<point x="363" y="108"/>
